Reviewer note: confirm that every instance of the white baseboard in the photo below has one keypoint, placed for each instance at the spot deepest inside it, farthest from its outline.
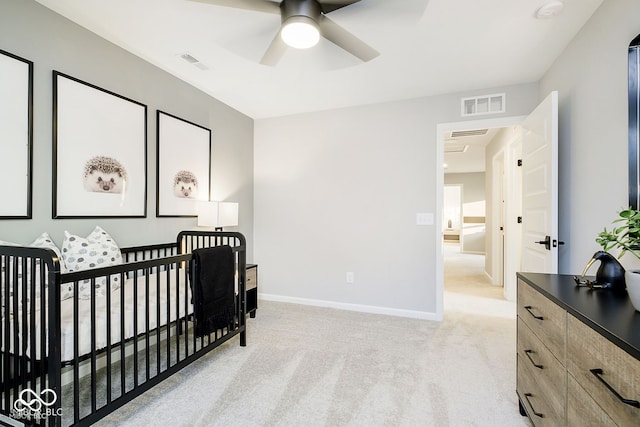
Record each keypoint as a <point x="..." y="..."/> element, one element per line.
<point x="424" y="315"/>
<point x="490" y="277"/>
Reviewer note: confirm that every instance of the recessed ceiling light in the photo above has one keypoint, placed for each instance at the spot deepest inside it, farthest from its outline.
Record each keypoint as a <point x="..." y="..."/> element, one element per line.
<point x="550" y="9"/>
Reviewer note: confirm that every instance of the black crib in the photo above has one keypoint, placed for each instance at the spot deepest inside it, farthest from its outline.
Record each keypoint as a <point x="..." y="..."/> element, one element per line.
<point x="72" y="362"/>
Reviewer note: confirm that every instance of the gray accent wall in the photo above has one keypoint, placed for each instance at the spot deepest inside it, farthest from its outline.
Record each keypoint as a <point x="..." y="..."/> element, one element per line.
<point x="52" y="42"/>
<point x="591" y="78"/>
<point x="338" y="191"/>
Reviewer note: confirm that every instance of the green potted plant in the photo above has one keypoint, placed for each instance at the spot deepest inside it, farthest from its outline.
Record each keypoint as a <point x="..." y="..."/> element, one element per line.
<point x="625" y="236"/>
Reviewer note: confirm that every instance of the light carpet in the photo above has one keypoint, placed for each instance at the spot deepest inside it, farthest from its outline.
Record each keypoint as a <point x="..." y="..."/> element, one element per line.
<point x="311" y="366"/>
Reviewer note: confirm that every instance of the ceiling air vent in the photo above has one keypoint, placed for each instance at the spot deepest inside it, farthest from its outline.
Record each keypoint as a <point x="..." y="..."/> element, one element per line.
<point x="463" y="133"/>
<point x="486" y="104"/>
<point x="193" y="61"/>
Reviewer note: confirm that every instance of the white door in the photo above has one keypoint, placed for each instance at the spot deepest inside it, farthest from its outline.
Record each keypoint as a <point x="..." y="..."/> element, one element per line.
<point x="540" y="188"/>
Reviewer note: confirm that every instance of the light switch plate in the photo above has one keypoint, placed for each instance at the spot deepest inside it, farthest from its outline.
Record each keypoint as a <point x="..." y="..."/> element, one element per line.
<point x="424" y="219"/>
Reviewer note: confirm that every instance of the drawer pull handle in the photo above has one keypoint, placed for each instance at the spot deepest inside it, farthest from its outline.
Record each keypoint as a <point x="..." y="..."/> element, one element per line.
<point x="528" y="353"/>
<point x="598" y="373"/>
<point x="537" y="414"/>
<point x="528" y="308"/>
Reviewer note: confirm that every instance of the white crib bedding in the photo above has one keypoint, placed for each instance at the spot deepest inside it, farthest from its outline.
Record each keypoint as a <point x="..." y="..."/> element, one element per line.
<point x="176" y="300"/>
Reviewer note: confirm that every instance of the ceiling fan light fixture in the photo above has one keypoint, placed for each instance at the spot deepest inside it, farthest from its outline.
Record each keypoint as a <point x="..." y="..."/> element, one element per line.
<point x="300" y="32"/>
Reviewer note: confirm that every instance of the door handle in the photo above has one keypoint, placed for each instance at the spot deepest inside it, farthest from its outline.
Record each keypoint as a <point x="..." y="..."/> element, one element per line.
<point x="546" y="242"/>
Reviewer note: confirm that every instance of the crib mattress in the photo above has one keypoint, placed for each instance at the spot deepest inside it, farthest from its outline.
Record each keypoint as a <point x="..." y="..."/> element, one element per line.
<point x="166" y="300"/>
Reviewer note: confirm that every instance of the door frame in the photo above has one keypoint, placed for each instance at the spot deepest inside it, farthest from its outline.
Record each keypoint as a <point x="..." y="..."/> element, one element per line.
<point x="441" y="130"/>
<point x="498" y="215"/>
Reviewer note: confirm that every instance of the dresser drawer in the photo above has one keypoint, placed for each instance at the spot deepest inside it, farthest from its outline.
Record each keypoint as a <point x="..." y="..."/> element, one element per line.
<point x="546" y="319"/>
<point x="252" y="278"/>
<point x="534" y="399"/>
<point x="544" y="369"/>
<point x="582" y="410"/>
<point x="589" y="351"/>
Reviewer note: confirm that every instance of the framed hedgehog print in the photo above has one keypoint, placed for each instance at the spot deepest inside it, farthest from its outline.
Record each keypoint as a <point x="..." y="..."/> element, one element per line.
<point x="16" y="136"/>
<point x="184" y="166"/>
<point x="99" y="152"/>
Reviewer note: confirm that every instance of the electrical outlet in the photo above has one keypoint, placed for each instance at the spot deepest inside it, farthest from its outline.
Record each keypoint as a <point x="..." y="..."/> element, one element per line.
<point x="350" y="277"/>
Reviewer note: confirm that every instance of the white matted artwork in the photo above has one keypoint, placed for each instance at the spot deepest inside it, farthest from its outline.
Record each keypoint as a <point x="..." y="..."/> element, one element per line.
<point x="16" y="136"/>
<point x="184" y="166"/>
<point x="99" y="148"/>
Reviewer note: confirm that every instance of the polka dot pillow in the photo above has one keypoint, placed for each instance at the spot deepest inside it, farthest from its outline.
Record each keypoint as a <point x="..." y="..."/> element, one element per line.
<point x="97" y="250"/>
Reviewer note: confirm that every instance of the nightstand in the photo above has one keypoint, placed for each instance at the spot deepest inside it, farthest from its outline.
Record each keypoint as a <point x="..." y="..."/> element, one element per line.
<point x="251" y="288"/>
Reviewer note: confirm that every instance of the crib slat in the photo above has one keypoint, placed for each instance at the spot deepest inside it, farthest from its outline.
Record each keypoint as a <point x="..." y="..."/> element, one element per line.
<point x="4" y="325"/>
<point x="37" y="282"/>
<point x="158" y="322"/>
<point x="146" y="323"/>
<point x="108" y="342"/>
<point x="121" y="344"/>
<point x="16" y="325"/>
<point x="93" y="344"/>
<point x="135" y="330"/>
<point x="76" y="355"/>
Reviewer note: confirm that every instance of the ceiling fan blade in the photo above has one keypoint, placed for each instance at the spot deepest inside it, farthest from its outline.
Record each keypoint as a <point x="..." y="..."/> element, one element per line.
<point x="275" y="51"/>
<point x="256" y="5"/>
<point x="331" y="5"/>
<point x="347" y="41"/>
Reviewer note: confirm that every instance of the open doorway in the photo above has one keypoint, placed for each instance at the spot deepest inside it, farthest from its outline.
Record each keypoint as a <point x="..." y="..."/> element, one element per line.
<point x="465" y="274"/>
<point x="469" y="273"/>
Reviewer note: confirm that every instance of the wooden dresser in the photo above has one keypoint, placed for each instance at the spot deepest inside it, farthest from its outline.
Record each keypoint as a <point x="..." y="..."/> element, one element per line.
<point x="578" y="354"/>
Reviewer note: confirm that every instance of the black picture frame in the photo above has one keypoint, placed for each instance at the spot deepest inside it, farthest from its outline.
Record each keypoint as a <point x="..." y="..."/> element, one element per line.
<point x="16" y="136"/>
<point x="634" y="123"/>
<point x="183" y="166"/>
<point x="99" y="152"/>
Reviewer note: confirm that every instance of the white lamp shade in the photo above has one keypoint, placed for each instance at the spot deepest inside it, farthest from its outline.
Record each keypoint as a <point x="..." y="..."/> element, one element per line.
<point x="217" y="214"/>
<point x="227" y="214"/>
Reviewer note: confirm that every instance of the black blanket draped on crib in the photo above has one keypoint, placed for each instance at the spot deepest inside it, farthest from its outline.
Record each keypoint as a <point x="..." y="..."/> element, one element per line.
<point x="213" y="289"/>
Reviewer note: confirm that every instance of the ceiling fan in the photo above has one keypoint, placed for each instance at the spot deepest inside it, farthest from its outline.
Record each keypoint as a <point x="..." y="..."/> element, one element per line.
<point x="303" y="23"/>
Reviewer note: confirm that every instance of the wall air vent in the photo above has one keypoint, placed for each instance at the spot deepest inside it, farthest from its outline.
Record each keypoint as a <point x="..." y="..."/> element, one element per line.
<point x="194" y="61"/>
<point x="486" y="104"/>
<point x="463" y="133"/>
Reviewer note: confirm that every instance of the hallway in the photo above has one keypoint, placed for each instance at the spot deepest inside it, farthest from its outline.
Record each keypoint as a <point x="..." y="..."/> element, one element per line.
<point x="468" y="289"/>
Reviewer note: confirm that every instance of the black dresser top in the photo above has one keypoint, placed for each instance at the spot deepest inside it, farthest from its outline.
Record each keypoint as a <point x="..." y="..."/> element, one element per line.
<point x="609" y="313"/>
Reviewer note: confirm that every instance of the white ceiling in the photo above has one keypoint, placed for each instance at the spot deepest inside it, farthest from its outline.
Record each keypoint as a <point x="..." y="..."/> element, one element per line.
<point x="472" y="159"/>
<point x="427" y="47"/>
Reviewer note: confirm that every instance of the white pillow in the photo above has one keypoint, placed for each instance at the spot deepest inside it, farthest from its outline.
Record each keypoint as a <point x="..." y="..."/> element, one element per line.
<point x="45" y="241"/>
<point x="42" y="241"/>
<point x="2" y="269"/>
<point x="97" y="250"/>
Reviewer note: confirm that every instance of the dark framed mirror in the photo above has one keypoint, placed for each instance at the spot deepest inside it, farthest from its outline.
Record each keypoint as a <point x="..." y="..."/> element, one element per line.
<point x="634" y="140"/>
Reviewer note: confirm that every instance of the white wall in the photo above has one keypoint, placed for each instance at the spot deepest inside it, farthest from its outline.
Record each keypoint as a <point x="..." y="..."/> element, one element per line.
<point x="591" y="77"/>
<point x="52" y="42"/>
<point x="339" y="190"/>
<point x="473" y="204"/>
